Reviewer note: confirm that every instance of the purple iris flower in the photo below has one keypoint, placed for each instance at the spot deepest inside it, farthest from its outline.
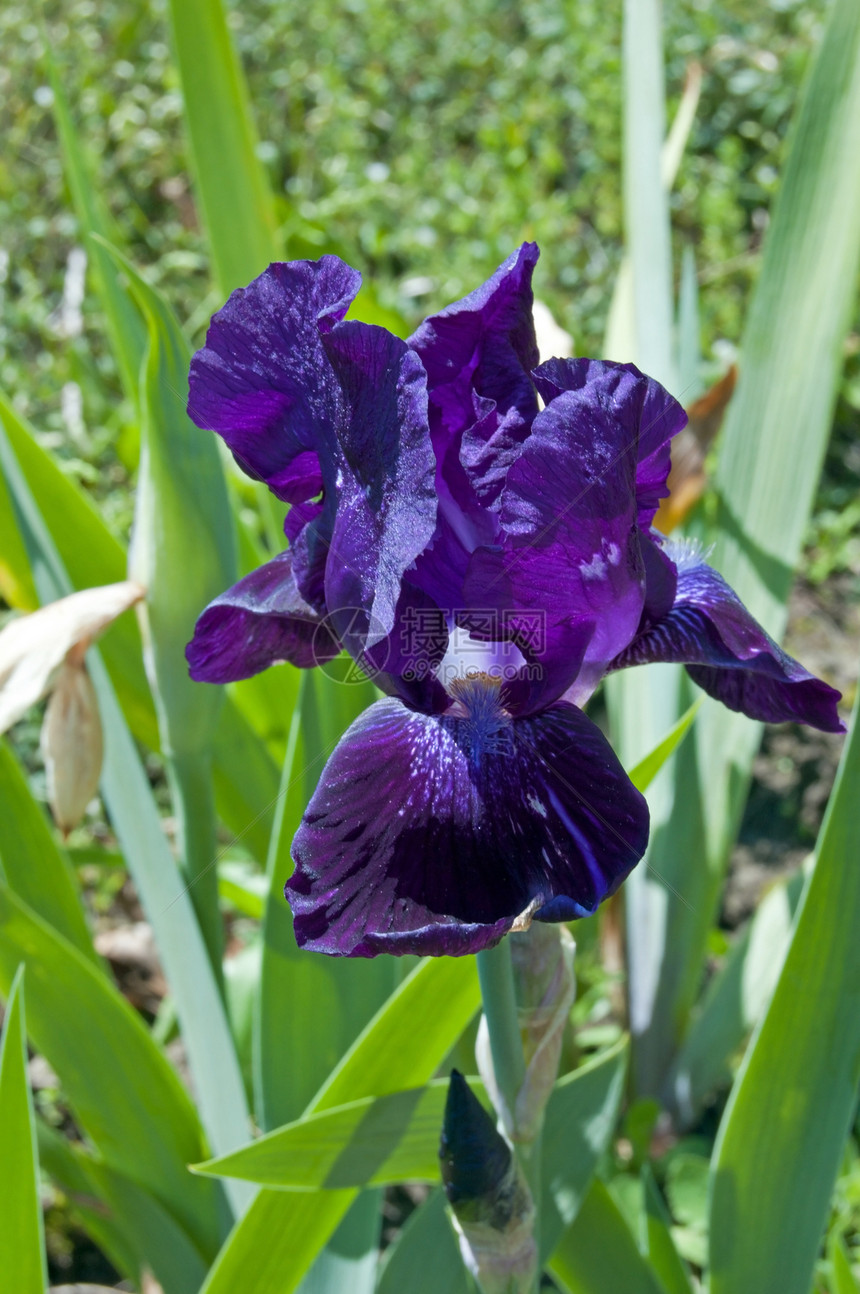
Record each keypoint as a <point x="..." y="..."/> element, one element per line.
<point x="475" y="528"/>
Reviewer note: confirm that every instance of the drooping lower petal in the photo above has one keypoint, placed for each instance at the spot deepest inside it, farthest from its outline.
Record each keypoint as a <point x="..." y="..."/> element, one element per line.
<point x="263" y="381"/>
<point x="731" y="657"/>
<point x="432" y="834"/>
<point x="308" y="528"/>
<point x="261" y="621"/>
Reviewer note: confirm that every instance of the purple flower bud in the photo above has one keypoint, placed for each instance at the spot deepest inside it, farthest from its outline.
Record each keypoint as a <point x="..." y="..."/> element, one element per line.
<point x="492" y="1205"/>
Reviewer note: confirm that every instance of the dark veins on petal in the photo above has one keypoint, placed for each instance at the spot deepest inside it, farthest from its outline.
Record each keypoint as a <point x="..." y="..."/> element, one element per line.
<point x="478" y="354"/>
<point x="431" y="835"/>
<point x="570" y="547"/>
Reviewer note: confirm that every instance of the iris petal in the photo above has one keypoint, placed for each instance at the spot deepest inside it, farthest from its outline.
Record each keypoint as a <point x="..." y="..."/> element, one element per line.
<point x="263" y="381"/>
<point x="489" y="449"/>
<point x="432" y="834"/>
<point x="260" y="621"/>
<point x="731" y="657"/>
<point x="484" y="344"/>
<point x="571" y="547"/>
<point x="384" y="482"/>
<point x="651" y="415"/>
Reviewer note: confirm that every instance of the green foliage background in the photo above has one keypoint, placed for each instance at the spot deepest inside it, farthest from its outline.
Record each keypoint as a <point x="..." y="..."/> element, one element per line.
<point x="426" y="142"/>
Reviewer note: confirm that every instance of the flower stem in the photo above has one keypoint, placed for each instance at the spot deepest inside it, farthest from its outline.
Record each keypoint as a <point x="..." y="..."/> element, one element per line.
<point x="496" y="976"/>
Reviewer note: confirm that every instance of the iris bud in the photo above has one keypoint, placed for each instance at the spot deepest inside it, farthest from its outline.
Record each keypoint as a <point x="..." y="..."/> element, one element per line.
<point x="491" y="1202"/>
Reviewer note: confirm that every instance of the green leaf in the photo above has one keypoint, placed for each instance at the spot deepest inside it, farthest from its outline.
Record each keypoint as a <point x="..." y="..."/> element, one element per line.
<point x="125" y="328"/>
<point x="598" y="1254"/>
<point x="277" y="1241"/>
<point x="202" y="1018"/>
<point x="643" y="773"/>
<point x="66" y="1165"/>
<point x="246" y="780"/>
<point x="241" y="983"/>
<point x="581" y="1116"/>
<point x="672" y="152"/>
<point x="161" y="1243"/>
<point x="783" y="1132"/>
<point x="351" y="1256"/>
<point x="291" y="1228"/>
<point x="772" y="447"/>
<point x="842" y="1279"/>
<point x="646" y="199"/>
<point x="245" y="777"/>
<point x="381" y="1140"/>
<point x="90" y="554"/>
<point x="137" y="824"/>
<point x="232" y="185"/>
<point x="243" y="886"/>
<point x="183" y="554"/>
<point x="31" y="863"/>
<point x="620" y="342"/>
<point x="16" y="578"/>
<point x="123" y="1091"/>
<point x="410" y="1035"/>
<point x="183" y="548"/>
<point x="658" y="1246"/>
<point x="124" y="1219"/>
<point x="735" y="1000"/>
<point x="22" y="1244"/>
<point x="687" y="1191"/>
<point x="425" y="1258"/>
<point x="639" y="328"/>
<point x="689" y="330"/>
<point x="374" y="1141"/>
<point x="331" y="999"/>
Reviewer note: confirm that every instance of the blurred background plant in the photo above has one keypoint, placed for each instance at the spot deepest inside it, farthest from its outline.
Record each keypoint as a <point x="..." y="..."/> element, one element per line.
<point x="423" y="145"/>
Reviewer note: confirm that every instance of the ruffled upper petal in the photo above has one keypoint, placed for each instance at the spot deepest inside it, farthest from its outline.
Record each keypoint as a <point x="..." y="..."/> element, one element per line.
<point x="263" y="380"/>
<point x="489" y="448"/>
<point x="651" y="414"/>
<point x="477" y="354"/>
<point x="433" y="834"/>
<point x="261" y="621"/>
<point x="384" y="481"/>
<point x="484" y="344"/>
<point x="571" y="546"/>
<point x="730" y="656"/>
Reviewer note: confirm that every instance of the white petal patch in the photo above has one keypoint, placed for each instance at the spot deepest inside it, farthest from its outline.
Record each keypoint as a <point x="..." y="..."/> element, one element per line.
<point x="595" y="569"/>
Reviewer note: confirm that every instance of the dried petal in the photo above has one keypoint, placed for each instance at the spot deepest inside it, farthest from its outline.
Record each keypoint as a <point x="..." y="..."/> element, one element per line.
<point x="71" y="745"/>
<point x="33" y="647"/>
